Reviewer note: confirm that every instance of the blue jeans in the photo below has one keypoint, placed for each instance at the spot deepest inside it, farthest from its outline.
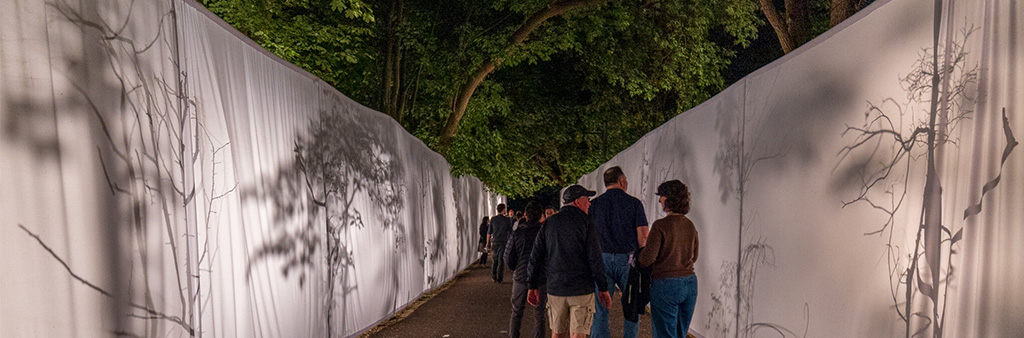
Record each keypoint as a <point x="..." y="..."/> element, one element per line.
<point x="616" y="270"/>
<point x="672" y="304"/>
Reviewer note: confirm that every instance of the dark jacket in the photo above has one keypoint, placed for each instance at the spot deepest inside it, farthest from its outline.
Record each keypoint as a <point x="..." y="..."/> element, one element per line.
<point x="638" y="291"/>
<point x="483" y="232"/>
<point x="518" y="249"/>
<point x="567" y="248"/>
<point x="500" y="229"/>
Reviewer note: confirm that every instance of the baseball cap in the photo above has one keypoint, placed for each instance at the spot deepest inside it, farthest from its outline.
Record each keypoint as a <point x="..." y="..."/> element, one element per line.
<point x="575" y="191"/>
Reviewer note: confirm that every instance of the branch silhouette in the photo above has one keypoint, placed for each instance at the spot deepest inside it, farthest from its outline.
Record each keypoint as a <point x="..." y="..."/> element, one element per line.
<point x="910" y="138"/>
<point x="153" y="314"/>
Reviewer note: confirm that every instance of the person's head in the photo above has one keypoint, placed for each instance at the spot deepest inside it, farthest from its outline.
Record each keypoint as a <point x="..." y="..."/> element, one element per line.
<point x="549" y="211"/>
<point x="615" y="178"/>
<point x="533" y="212"/>
<point x="501" y="209"/>
<point x="511" y="213"/>
<point x="578" y="196"/>
<point x="486" y="219"/>
<point x="675" y="197"/>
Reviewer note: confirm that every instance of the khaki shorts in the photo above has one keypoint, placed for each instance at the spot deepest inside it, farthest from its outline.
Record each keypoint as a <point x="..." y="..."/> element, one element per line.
<point x="572" y="314"/>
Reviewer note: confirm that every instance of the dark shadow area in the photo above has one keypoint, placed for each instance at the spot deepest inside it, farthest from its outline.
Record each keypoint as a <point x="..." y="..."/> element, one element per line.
<point x="773" y="135"/>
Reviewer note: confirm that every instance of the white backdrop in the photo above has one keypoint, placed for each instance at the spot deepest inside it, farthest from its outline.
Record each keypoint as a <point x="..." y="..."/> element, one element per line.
<point x="809" y="174"/>
<point x="162" y="176"/>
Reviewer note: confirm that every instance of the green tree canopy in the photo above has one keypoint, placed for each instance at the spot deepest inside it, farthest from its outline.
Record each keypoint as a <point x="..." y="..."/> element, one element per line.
<point x="570" y="83"/>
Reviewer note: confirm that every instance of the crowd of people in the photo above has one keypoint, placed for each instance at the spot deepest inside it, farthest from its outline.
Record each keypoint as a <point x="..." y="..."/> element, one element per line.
<point x="568" y="263"/>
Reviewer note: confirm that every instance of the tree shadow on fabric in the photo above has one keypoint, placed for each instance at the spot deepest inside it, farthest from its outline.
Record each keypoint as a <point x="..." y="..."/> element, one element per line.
<point x="880" y="163"/>
<point x="132" y="100"/>
<point x="771" y="136"/>
<point x="345" y="175"/>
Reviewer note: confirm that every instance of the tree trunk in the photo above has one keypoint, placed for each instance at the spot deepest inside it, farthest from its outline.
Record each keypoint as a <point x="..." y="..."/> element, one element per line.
<point x="554" y="9"/>
<point x="841" y="9"/>
<point x="798" y="20"/>
<point x="393" y="62"/>
<point x="403" y="99"/>
<point x="778" y="24"/>
<point x="388" y="70"/>
<point x="793" y="27"/>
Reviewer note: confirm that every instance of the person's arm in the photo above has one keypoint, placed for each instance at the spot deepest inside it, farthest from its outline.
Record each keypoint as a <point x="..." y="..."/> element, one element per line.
<point x="511" y="252"/>
<point x="640" y="220"/>
<point x="641" y="236"/>
<point x="491" y="230"/>
<point x="538" y="259"/>
<point x="597" y="266"/>
<point x="593" y="247"/>
<point x="696" y="244"/>
<point x="650" y="251"/>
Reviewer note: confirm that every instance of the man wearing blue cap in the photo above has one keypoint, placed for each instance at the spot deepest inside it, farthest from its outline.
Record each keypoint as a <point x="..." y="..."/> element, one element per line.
<point x="568" y="256"/>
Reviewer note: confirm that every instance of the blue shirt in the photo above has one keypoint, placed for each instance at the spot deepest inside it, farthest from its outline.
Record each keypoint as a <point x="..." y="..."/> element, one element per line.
<point x="616" y="217"/>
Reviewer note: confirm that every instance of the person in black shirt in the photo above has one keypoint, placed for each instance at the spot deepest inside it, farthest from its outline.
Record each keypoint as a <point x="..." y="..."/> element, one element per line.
<point x="517" y="256"/>
<point x="622" y="229"/>
<point x="500" y="229"/>
<point x="482" y="246"/>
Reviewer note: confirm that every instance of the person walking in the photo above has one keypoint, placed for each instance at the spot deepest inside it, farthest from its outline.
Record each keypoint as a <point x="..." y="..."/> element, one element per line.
<point x="548" y="212"/>
<point x="482" y="245"/>
<point x="567" y="257"/>
<point x="622" y="228"/>
<point x="517" y="256"/>
<point x="670" y="252"/>
<point x="498" y="232"/>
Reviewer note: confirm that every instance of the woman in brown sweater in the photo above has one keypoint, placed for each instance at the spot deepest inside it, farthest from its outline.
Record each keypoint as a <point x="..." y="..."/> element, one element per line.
<point x="670" y="252"/>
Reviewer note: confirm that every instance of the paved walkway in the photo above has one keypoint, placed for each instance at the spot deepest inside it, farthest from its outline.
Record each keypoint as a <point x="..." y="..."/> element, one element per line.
<point x="475" y="306"/>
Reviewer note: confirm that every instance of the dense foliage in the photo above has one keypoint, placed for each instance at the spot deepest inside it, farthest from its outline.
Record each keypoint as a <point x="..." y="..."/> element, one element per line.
<point x="584" y="84"/>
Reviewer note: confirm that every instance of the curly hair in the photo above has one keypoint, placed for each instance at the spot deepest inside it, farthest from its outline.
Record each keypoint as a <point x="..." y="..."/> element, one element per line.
<point x="679" y="201"/>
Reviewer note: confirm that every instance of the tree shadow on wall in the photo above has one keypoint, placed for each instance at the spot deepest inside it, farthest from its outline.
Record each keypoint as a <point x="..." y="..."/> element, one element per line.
<point x="140" y="118"/>
<point x="883" y="151"/>
<point x="345" y="159"/>
<point x="467" y="200"/>
<point x="770" y="137"/>
<point x="435" y="256"/>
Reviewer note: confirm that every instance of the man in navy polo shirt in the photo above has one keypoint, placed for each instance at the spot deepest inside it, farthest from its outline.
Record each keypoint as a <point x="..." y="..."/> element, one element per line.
<point x="622" y="228"/>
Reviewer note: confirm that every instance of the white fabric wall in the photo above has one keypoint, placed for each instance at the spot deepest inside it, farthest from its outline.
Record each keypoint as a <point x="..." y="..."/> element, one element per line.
<point x="162" y="176"/>
<point x="769" y="176"/>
